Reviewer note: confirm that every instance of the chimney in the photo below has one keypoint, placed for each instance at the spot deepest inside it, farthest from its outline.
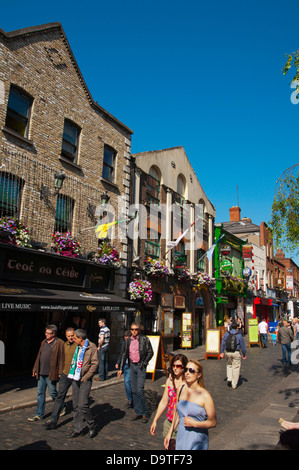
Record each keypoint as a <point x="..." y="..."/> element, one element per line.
<point x="235" y="214"/>
<point x="279" y="254"/>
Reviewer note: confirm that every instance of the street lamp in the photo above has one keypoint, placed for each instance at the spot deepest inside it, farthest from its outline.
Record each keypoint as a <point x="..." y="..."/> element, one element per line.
<point x="58" y="182"/>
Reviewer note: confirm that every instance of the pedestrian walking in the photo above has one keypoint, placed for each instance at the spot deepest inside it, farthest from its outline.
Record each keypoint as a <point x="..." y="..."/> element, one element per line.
<point x="83" y="367"/>
<point x="263" y="332"/>
<point x="47" y="369"/>
<point x="296" y="328"/>
<point x="285" y="337"/>
<point x="103" y="349"/>
<point x="139" y="351"/>
<point x="195" y="412"/>
<point x="127" y="380"/>
<point x="64" y="382"/>
<point x="169" y="398"/>
<point x="232" y="346"/>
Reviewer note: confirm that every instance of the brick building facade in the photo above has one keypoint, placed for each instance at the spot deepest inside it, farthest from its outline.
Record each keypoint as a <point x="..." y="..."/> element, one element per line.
<point x="50" y="124"/>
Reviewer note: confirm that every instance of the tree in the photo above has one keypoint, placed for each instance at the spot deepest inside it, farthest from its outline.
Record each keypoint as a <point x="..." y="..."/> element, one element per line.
<point x="285" y="211"/>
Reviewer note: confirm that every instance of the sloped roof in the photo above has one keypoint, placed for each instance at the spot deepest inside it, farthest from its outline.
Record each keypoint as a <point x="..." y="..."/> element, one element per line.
<point x="57" y="25"/>
<point x="242" y="226"/>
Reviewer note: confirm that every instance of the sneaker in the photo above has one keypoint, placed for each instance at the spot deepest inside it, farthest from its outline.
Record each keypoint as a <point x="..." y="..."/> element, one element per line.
<point x="63" y="411"/>
<point x="129" y="405"/>
<point x="51" y="425"/>
<point x="35" y="418"/>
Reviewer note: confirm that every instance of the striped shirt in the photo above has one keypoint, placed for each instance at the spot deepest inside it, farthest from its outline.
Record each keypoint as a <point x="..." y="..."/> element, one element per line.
<point x="104" y="332"/>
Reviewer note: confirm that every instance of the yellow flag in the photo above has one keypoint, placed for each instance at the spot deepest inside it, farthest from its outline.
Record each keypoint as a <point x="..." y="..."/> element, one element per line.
<point x="101" y="230"/>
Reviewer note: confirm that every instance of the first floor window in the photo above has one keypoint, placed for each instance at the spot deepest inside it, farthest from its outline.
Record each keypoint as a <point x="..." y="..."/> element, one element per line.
<point x="64" y="214"/>
<point x="10" y="195"/>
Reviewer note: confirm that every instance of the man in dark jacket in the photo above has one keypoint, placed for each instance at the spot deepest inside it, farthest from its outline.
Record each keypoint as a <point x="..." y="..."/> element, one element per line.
<point x="47" y="369"/>
<point x="285" y="337"/>
<point x="139" y="351"/>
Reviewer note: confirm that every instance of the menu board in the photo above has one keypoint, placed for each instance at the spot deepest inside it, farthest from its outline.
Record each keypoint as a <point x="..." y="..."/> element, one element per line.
<point x="253" y="332"/>
<point x="213" y="343"/>
<point x="186" y="330"/>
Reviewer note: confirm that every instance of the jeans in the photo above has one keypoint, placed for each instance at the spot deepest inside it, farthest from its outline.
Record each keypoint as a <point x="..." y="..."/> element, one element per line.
<point x="264" y="338"/>
<point x="286" y="351"/>
<point x="103" y="363"/>
<point x="137" y="377"/>
<point x="63" y="386"/>
<point x="42" y="384"/>
<point x="127" y="382"/>
<point x="81" y="391"/>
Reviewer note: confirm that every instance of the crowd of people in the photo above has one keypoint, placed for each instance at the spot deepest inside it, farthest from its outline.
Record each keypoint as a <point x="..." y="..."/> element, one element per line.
<point x="189" y="407"/>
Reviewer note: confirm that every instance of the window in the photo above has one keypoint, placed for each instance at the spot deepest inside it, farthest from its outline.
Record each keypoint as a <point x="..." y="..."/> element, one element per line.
<point x="18" y="111"/>
<point x="153" y="187"/>
<point x="200" y="263"/>
<point x="70" y="141"/>
<point x="10" y="195"/>
<point x="64" y="214"/>
<point x="152" y="244"/>
<point x="109" y="164"/>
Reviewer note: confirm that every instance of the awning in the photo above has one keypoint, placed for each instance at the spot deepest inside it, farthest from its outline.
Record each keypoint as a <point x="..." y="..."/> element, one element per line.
<point x="42" y="299"/>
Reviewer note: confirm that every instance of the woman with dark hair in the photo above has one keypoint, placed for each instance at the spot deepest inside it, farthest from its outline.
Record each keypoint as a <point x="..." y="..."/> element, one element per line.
<point x="195" y="412"/>
<point x="169" y="398"/>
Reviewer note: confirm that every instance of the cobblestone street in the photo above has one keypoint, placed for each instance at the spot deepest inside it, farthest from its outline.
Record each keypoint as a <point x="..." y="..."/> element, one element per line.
<point x="260" y="373"/>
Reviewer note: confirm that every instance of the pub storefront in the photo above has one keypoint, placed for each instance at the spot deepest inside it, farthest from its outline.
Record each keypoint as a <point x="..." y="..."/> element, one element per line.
<point x="38" y="288"/>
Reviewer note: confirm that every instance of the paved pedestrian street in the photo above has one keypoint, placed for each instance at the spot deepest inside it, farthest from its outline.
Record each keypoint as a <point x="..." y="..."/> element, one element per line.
<point x="260" y="373"/>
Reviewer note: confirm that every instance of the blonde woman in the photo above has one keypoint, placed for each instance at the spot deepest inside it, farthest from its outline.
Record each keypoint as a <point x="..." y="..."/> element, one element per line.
<point x="168" y="400"/>
<point x="195" y="412"/>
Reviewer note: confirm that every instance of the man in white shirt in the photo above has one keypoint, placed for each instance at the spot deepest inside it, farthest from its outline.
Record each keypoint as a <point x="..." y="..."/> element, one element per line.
<point x="263" y="332"/>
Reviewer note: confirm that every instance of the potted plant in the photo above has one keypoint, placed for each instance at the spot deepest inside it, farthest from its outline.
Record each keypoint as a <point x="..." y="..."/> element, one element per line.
<point x="108" y="255"/>
<point x="156" y="268"/>
<point x="203" y="280"/>
<point x="140" y="290"/>
<point x="66" y="244"/>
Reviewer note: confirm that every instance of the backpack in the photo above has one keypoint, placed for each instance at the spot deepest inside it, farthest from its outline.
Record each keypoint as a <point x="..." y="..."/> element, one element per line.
<point x="231" y="342"/>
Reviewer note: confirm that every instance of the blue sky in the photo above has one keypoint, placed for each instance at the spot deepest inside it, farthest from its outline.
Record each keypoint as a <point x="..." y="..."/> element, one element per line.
<point x="202" y="75"/>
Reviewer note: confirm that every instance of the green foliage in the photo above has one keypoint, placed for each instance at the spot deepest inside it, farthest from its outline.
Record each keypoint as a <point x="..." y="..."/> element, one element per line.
<point x="285" y="214"/>
<point x="292" y="58"/>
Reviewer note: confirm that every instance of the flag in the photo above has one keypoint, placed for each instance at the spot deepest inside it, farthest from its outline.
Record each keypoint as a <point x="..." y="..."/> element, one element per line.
<point x="172" y="244"/>
<point x="101" y="230"/>
<point x="210" y="251"/>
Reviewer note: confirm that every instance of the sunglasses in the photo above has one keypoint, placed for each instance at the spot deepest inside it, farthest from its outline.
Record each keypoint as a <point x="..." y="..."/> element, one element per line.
<point x="177" y="366"/>
<point x="191" y="370"/>
<point x="134" y="329"/>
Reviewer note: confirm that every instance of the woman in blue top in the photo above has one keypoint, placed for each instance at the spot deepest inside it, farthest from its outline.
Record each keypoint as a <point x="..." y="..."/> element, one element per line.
<point x="195" y="412"/>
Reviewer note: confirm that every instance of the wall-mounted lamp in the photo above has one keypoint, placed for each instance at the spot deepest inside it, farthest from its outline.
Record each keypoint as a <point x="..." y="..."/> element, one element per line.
<point x="58" y="182"/>
<point x="104" y="199"/>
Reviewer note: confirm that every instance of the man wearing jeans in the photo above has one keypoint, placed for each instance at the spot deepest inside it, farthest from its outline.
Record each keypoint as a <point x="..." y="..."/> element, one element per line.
<point x="285" y="337"/>
<point x="47" y="369"/>
<point x="263" y="332"/>
<point x="139" y="351"/>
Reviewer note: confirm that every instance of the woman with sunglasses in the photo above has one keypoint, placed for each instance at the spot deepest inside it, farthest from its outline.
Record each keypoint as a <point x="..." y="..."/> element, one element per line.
<point x="168" y="400"/>
<point x="195" y="412"/>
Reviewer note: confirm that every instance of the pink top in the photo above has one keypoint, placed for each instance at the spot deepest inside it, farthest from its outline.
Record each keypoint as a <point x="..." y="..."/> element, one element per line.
<point x="134" y="349"/>
<point x="171" y="401"/>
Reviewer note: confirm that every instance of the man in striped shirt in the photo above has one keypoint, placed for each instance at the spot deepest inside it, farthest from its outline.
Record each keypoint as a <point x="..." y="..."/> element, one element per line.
<point x="103" y="348"/>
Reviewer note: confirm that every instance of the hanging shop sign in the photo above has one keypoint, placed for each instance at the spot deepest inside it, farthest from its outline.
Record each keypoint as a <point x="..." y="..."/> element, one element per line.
<point x="225" y="250"/>
<point x="247" y="272"/>
<point x="226" y="265"/>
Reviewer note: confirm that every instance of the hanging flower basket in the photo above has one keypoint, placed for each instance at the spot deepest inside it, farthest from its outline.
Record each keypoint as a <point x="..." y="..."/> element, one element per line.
<point x="156" y="269"/>
<point x="65" y="244"/>
<point x="14" y="232"/>
<point x="108" y="255"/>
<point x="203" y="280"/>
<point x="183" y="274"/>
<point x="140" y="290"/>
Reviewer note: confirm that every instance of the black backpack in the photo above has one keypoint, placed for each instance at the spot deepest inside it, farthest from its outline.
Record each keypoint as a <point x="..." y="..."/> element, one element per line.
<point x="231" y="342"/>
